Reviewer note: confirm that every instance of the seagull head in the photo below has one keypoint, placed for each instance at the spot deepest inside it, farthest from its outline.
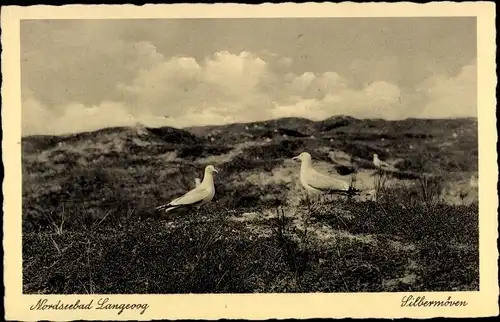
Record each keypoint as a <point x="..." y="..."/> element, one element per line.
<point x="302" y="157"/>
<point x="375" y="156"/>
<point x="211" y="169"/>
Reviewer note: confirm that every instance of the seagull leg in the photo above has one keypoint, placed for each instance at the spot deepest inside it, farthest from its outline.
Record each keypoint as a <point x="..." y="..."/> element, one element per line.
<point x="192" y="222"/>
<point x="308" y="204"/>
<point x="196" y="218"/>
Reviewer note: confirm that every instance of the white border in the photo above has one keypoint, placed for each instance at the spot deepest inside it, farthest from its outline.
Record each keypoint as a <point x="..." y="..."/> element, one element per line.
<point x="251" y="306"/>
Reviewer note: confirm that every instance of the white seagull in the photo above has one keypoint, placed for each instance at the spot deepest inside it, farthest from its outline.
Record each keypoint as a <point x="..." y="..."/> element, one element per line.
<point x="473" y="181"/>
<point x="381" y="164"/>
<point x="197" y="197"/>
<point x="316" y="182"/>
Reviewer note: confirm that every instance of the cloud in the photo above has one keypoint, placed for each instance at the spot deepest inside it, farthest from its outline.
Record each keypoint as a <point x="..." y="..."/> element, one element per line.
<point x="228" y="87"/>
<point x="225" y="83"/>
<point x="377" y="100"/>
<point x="243" y="87"/>
<point x="35" y="118"/>
<point x="84" y="118"/>
<point x="451" y="96"/>
<point x="81" y="62"/>
<point x="38" y="119"/>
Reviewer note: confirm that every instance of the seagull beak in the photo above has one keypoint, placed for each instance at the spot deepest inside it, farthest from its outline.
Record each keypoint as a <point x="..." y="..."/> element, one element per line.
<point x="216" y="171"/>
<point x="295" y="158"/>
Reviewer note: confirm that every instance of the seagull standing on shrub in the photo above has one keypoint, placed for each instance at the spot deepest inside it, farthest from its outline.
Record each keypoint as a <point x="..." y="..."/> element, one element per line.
<point x="379" y="164"/>
<point x="315" y="182"/>
<point x="202" y="194"/>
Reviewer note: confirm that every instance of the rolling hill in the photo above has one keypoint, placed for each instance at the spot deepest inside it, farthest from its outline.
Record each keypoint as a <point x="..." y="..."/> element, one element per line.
<point x="102" y="187"/>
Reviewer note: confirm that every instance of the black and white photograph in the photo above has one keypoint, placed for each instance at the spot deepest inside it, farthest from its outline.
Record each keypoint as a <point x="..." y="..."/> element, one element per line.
<point x="250" y="155"/>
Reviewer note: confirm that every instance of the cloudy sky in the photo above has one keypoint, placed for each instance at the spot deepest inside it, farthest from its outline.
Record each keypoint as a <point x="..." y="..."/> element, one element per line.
<point x="80" y="75"/>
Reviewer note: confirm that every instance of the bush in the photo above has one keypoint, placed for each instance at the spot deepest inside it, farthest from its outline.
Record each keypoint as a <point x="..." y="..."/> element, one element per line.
<point x="192" y="152"/>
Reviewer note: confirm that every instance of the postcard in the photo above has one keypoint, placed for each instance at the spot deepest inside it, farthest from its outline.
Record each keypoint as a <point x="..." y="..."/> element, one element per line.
<point x="263" y="161"/>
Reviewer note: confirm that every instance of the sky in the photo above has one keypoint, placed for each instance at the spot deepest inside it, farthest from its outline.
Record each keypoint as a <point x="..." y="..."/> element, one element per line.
<point x="84" y="75"/>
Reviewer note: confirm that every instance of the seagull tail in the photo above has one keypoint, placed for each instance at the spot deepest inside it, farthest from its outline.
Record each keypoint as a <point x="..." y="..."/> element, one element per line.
<point x="353" y="191"/>
<point x="166" y="208"/>
<point x="347" y="192"/>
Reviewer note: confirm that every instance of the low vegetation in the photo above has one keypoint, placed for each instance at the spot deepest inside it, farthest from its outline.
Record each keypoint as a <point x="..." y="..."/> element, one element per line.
<point x="89" y="224"/>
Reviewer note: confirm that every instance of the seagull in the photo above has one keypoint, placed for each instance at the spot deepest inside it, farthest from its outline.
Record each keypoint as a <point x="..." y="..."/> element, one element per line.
<point x="340" y="157"/>
<point x="197" y="197"/>
<point x="316" y="182"/>
<point x="473" y="181"/>
<point x="197" y="182"/>
<point x="379" y="164"/>
<point x="345" y="163"/>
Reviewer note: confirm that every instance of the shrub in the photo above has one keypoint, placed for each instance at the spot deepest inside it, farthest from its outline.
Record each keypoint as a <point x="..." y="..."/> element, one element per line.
<point x="192" y="152"/>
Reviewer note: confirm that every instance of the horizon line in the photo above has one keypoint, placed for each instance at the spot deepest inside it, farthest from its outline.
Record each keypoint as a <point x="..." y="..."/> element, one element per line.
<point x="240" y="123"/>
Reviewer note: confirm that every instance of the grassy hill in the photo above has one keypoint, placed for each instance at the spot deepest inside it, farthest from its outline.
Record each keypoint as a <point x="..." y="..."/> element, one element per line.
<point x="89" y="219"/>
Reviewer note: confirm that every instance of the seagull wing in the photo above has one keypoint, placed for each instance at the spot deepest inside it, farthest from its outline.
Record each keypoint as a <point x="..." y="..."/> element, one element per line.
<point x="384" y="164"/>
<point x="340" y="159"/>
<point x="387" y="166"/>
<point x="191" y="198"/>
<point x="323" y="182"/>
<point x="397" y="161"/>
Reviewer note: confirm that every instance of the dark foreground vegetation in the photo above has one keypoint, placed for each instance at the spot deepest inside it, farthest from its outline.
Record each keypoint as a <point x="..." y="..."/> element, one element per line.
<point x="428" y="248"/>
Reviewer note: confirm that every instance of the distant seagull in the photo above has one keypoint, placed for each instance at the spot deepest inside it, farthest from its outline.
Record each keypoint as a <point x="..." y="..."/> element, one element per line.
<point x="197" y="197"/>
<point x="473" y="181"/>
<point x="197" y="181"/>
<point x="340" y="157"/>
<point x="345" y="164"/>
<point x="316" y="182"/>
<point x="379" y="164"/>
<point x="463" y="194"/>
<point x="166" y="116"/>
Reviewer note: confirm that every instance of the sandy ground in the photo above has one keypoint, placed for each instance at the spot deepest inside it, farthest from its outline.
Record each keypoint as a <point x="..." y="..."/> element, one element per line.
<point x="456" y="191"/>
